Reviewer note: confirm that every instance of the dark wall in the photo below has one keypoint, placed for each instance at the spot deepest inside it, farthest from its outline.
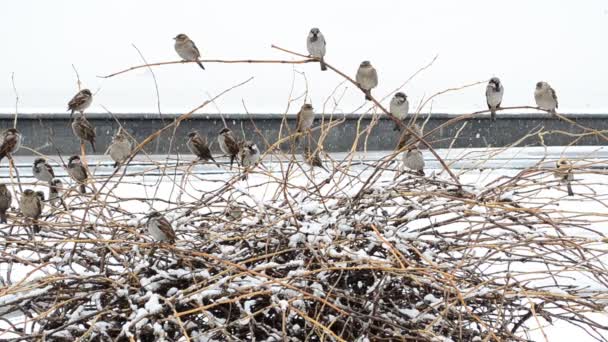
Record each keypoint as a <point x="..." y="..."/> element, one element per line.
<point x="48" y="133"/>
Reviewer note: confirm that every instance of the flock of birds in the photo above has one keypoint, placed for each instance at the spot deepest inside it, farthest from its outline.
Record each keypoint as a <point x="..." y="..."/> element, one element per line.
<point x="246" y="153"/>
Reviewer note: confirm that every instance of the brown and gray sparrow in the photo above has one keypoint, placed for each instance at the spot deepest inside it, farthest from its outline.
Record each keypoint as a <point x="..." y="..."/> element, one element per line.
<point x="55" y="189"/>
<point x="315" y="43"/>
<point x="31" y="206"/>
<point x="367" y="78"/>
<point x="545" y="97"/>
<point x="11" y="141"/>
<point x="120" y="148"/>
<point x="413" y="160"/>
<point x="81" y="101"/>
<point x="77" y="171"/>
<point x="5" y="202"/>
<point x="563" y="172"/>
<point x="250" y="155"/>
<point x="187" y="50"/>
<point x="198" y="146"/>
<point x="399" y="107"/>
<point x="160" y="228"/>
<point x="305" y="119"/>
<point x="494" y="92"/>
<point x="406" y="138"/>
<point x="42" y="170"/>
<point x="312" y="158"/>
<point x="83" y="129"/>
<point x="229" y="145"/>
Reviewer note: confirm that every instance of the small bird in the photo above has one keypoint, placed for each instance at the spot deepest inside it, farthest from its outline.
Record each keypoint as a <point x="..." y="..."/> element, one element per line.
<point x="42" y="170"/>
<point x="413" y="160"/>
<point x="249" y="154"/>
<point x="55" y="189"/>
<point x="198" y="146"/>
<point x="160" y="228"/>
<point x="31" y="206"/>
<point x="313" y="159"/>
<point x="399" y="107"/>
<point x="494" y="92"/>
<point x="77" y="171"/>
<point x="81" y="101"/>
<point x="229" y="145"/>
<point x="563" y="172"/>
<point x="367" y="78"/>
<point x="315" y="43"/>
<point x="83" y="129"/>
<point x="545" y="97"/>
<point x="120" y="148"/>
<point x="11" y="141"/>
<point x="304" y="120"/>
<point x="406" y="138"/>
<point x="187" y="50"/>
<point x="6" y="200"/>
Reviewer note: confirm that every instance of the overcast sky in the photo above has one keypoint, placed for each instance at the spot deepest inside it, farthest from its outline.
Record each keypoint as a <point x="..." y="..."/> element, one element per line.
<point x="522" y="42"/>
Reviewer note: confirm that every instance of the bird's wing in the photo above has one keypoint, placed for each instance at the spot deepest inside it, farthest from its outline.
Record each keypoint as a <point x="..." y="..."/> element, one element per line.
<point x="198" y="53"/>
<point x="554" y="95"/>
<point x="199" y="144"/>
<point x="8" y="145"/>
<point x="89" y="130"/>
<point x="77" y="100"/>
<point x="49" y="168"/>
<point x="298" y="119"/>
<point x="233" y="146"/>
<point x="166" y="228"/>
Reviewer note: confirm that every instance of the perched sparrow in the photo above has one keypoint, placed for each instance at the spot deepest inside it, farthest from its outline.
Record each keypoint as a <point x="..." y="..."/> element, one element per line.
<point x="55" y="189"/>
<point x="5" y="202"/>
<point x="81" y="101"/>
<point x="228" y="144"/>
<point x="304" y="120"/>
<point x="11" y="141"/>
<point x="316" y="46"/>
<point x="399" y="107"/>
<point x="494" y="92"/>
<point x="406" y="138"/>
<point x="545" y="97"/>
<point x="160" y="228"/>
<point x="249" y="154"/>
<point x="563" y="172"/>
<point x="413" y="160"/>
<point x="31" y="206"/>
<point x="198" y="146"/>
<point x="120" y="148"/>
<point x="42" y="170"/>
<point x="187" y="50"/>
<point x="77" y="171"/>
<point x="84" y="130"/>
<point x="367" y="79"/>
<point x="312" y="158"/>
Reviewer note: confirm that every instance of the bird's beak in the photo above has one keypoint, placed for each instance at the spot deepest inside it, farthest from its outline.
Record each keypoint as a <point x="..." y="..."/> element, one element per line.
<point x="174" y="38"/>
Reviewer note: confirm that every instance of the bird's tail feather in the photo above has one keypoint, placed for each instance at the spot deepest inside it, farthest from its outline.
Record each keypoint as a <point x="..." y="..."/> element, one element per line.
<point x="368" y="95"/>
<point x="3" y="217"/>
<point x="493" y="115"/>
<point x="83" y="189"/>
<point x="200" y="64"/>
<point x="569" y="187"/>
<point x="93" y="145"/>
<point x="116" y="164"/>
<point x="323" y="66"/>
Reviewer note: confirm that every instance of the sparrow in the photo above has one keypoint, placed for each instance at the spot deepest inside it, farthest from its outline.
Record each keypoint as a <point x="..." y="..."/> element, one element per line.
<point x="11" y="141"/>
<point x="399" y="107"/>
<point x="313" y="159"/>
<point x="406" y="138"/>
<point x="42" y="170"/>
<point x="187" y="50"/>
<point x="304" y="120"/>
<point x="160" y="228"/>
<point x="198" y="146"/>
<point x="55" y="189"/>
<point x="367" y="79"/>
<point x="315" y="43"/>
<point x="545" y="97"/>
<point x="494" y="92"/>
<point x="120" y="149"/>
<point x="563" y="172"/>
<point x="31" y="206"/>
<point x="5" y="202"/>
<point x="77" y="171"/>
<point x="249" y="154"/>
<point x="413" y="160"/>
<point x="83" y="129"/>
<point x="81" y="101"/>
<point x="228" y="144"/>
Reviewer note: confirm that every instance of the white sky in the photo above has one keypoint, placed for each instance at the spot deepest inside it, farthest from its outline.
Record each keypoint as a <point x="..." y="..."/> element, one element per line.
<point x="522" y="42"/>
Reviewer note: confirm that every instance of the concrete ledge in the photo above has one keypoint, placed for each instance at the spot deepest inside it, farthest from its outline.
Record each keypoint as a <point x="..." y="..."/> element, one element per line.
<point x="48" y="133"/>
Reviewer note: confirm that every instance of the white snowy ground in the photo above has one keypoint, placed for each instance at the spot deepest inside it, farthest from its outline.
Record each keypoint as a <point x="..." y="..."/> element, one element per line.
<point x="475" y="167"/>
